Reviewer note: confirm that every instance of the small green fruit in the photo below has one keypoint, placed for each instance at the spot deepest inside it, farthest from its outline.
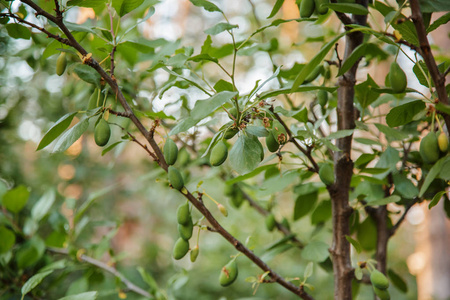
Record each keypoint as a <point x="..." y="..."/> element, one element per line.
<point x="326" y="174"/>
<point x="306" y="8"/>
<point x="272" y="143"/>
<point x="185" y="231"/>
<point x="219" y="154"/>
<point x="270" y="222"/>
<point x="175" y="178"/>
<point x="322" y="97"/>
<point x="102" y="133"/>
<point x="229" y="273"/>
<point x="321" y="9"/>
<point x="285" y="223"/>
<point x="194" y="253"/>
<point x="170" y="152"/>
<point x="233" y="112"/>
<point x="429" y="148"/>
<point x="230" y="133"/>
<point x="397" y="78"/>
<point x="180" y="249"/>
<point x="382" y="294"/>
<point x="314" y="73"/>
<point x="443" y="142"/>
<point x="378" y="280"/>
<point x="93" y="100"/>
<point x="61" y="64"/>
<point x="183" y="214"/>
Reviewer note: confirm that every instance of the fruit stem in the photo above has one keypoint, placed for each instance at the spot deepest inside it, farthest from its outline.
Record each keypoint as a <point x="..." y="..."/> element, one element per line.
<point x="439" y="123"/>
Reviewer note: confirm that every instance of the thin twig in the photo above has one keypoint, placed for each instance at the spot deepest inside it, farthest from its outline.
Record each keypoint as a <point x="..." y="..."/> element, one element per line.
<point x="130" y="286"/>
<point x="402" y="218"/>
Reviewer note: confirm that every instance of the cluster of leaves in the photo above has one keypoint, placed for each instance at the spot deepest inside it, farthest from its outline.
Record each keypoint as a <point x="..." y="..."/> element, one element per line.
<point x="298" y="137"/>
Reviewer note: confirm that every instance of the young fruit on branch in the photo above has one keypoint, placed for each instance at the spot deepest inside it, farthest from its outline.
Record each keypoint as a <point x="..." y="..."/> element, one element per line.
<point x="429" y="148"/>
<point x="175" y="178"/>
<point x="271" y="143"/>
<point x="170" y="152"/>
<point x="185" y="231"/>
<point x="219" y="154"/>
<point x="102" y="133"/>
<point x="61" y="64"/>
<point x="326" y="174"/>
<point x="322" y="97"/>
<point x="230" y="133"/>
<point x="270" y="222"/>
<point x="378" y="280"/>
<point x="194" y="253"/>
<point x="321" y="9"/>
<point x="183" y="214"/>
<point x="443" y="142"/>
<point x="397" y="78"/>
<point x="382" y="294"/>
<point x="229" y="273"/>
<point x="306" y="8"/>
<point x="180" y="249"/>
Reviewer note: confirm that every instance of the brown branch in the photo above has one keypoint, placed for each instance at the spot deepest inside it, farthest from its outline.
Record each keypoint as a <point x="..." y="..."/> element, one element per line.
<point x="161" y="161"/>
<point x="346" y="20"/>
<point x="403" y="216"/>
<point x="403" y="42"/>
<point x="307" y="153"/>
<point x="101" y="265"/>
<point x="425" y="52"/>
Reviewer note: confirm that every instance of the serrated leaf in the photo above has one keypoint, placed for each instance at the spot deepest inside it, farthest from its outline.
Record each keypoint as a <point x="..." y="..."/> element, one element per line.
<point x="387" y="200"/>
<point x="34" y="281"/>
<point x="56" y="130"/>
<point x="220" y="27"/>
<point x="87" y="74"/>
<point x="354" y="243"/>
<point x="82" y="296"/>
<point x="202" y="109"/>
<point x="14" y="200"/>
<point x="41" y="208"/>
<point x="245" y="155"/>
<point x="313" y="63"/>
<point x="397" y="281"/>
<point x="71" y="136"/>
<point x="348" y="8"/>
<point x="436" y="199"/>
<point x="434" y="171"/>
<point x="315" y="251"/>
<point x="206" y="5"/>
<point x="405" y="113"/>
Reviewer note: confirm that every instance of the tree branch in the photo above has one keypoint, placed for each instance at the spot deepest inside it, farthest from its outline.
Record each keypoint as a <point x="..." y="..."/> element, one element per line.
<point x="101" y="265"/>
<point x="425" y="52"/>
<point x="299" y="291"/>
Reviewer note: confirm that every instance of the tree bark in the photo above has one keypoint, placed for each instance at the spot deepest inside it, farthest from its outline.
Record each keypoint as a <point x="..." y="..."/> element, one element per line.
<point x="339" y="192"/>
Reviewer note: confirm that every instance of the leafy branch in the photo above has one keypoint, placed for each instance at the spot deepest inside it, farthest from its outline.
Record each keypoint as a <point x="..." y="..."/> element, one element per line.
<point x="159" y="158"/>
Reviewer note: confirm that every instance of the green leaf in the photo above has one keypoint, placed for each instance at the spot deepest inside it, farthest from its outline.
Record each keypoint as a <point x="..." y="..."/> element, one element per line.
<point x="41" y="208"/>
<point x="71" y="136"/>
<point x="17" y="31"/>
<point x="428" y="6"/>
<point x="90" y="200"/>
<point x="203" y="57"/>
<point x="220" y="27"/>
<point x="8" y="239"/>
<point x="34" y="281"/>
<point x="245" y="155"/>
<point x="392" y="133"/>
<point x="87" y="74"/>
<point x="289" y="90"/>
<point x="202" y="109"/>
<point x="304" y="204"/>
<point x="445" y="171"/>
<point x="354" y="243"/>
<point x="78" y="27"/>
<point x="340" y="134"/>
<point x="441" y="21"/>
<point x="434" y="171"/>
<point x="316" y="251"/>
<point x="259" y="131"/>
<point x="365" y="92"/>
<point x="397" y="281"/>
<point x="111" y="147"/>
<point x="359" y="52"/>
<point x="443" y="107"/>
<point x="276" y="8"/>
<point x="307" y="69"/>
<point x="367" y="234"/>
<point x="56" y="130"/>
<point x="206" y="5"/>
<point x="14" y="200"/>
<point x="82" y="296"/>
<point x="308" y="270"/>
<point x="404" y="186"/>
<point x="348" y="8"/>
<point x="322" y="212"/>
<point x="97" y="5"/>
<point x="223" y="85"/>
<point x="249" y="175"/>
<point x="403" y="114"/>
<point x="384" y="201"/>
<point x="436" y="199"/>
<point x="148" y="279"/>
<point x="123" y="7"/>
